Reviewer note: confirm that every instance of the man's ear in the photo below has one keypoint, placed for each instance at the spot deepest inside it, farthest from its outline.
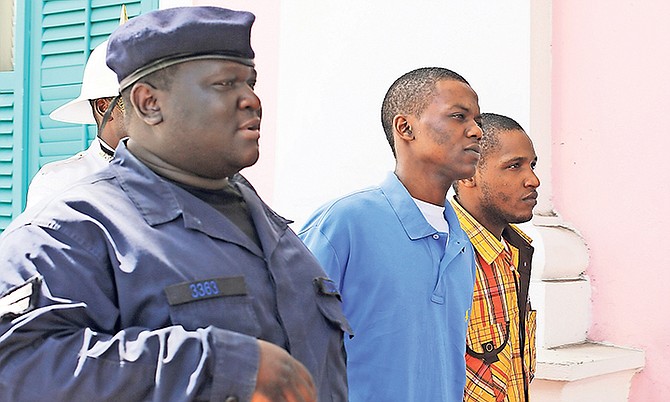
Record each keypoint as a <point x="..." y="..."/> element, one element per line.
<point x="145" y="103"/>
<point x="470" y="182"/>
<point x="402" y="128"/>
<point x="100" y="106"/>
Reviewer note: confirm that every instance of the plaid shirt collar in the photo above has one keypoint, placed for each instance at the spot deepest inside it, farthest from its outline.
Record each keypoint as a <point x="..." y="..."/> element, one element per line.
<point x="487" y="245"/>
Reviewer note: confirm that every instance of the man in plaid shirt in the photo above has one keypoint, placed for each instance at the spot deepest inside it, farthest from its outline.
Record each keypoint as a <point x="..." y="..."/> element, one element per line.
<point x="500" y="352"/>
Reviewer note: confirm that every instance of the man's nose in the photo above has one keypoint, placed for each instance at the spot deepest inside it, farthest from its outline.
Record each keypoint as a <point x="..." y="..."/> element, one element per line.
<point x="249" y="100"/>
<point x="533" y="180"/>
<point x="475" y="131"/>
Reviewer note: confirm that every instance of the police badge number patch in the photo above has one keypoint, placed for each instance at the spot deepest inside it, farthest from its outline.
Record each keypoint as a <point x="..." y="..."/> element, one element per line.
<point x="19" y="299"/>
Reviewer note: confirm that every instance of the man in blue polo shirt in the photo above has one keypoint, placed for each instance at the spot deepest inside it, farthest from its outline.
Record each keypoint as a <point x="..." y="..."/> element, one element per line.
<point x="403" y="266"/>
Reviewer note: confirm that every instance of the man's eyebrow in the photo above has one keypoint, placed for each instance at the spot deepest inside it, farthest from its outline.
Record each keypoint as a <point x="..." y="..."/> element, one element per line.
<point x="458" y="107"/>
<point x="514" y="159"/>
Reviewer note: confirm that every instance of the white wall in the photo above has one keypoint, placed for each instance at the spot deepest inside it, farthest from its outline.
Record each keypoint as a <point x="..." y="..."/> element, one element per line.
<point x="7" y="26"/>
<point x="337" y="59"/>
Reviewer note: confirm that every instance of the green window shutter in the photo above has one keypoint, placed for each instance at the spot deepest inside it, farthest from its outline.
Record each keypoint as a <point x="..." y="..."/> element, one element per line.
<point x="70" y="30"/>
<point x="12" y="125"/>
<point x="53" y="39"/>
<point x="7" y="149"/>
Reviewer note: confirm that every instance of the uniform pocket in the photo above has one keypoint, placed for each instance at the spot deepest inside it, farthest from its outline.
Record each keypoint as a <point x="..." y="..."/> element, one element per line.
<point x="234" y="313"/>
<point x="220" y="302"/>
<point x="329" y="304"/>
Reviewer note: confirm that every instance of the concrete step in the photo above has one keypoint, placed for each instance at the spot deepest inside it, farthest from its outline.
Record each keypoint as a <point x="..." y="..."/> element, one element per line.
<point x="585" y="372"/>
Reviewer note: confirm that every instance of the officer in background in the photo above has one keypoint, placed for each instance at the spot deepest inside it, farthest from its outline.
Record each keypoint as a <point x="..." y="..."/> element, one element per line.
<point x="164" y="276"/>
<point x="98" y="89"/>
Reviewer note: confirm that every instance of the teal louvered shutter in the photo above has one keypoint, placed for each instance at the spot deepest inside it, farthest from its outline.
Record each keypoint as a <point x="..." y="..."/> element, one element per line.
<point x="8" y="149"/>
<point x="12" y="125"/>
<point x="70" y="29"/>
<point x="52" y="40"/>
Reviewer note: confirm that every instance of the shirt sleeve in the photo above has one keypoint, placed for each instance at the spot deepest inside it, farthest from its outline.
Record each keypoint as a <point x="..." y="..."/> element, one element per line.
<point x="324" y="251"/>
<point x="40" y="187"/>
<point x="64" y="338"/>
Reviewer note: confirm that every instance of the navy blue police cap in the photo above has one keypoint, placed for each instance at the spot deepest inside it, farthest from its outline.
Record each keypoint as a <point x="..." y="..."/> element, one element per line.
<point x="161" y="38"/>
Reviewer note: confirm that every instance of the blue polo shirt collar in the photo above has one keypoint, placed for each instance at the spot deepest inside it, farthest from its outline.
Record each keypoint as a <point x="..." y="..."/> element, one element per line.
<point x="411" y="218"/>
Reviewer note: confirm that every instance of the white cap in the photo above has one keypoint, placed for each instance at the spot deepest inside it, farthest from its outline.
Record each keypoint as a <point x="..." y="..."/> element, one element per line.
<point x="99" y="82"/>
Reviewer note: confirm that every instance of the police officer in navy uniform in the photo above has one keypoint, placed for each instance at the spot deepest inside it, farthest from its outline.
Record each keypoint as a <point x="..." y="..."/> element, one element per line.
<point x="164" y="276"/>
<point x="98" y="89"/>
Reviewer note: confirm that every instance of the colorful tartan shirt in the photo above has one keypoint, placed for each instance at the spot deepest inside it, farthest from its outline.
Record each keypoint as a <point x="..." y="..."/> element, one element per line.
<point x="500" y="352"/>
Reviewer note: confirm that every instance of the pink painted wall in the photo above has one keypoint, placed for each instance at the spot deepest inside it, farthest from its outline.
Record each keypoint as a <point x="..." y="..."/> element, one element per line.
<point x="611" y="168"/>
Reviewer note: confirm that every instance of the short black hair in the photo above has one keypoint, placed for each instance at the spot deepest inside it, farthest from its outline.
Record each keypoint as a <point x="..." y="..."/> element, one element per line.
<point x="161" y="79"/>
<point x="410" y="95"/>
<point x="492" y="126"/>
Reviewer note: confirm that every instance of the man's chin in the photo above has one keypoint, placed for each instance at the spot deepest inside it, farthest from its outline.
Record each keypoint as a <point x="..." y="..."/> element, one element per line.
<point x="466" y="174"/>
<point x="523" y="218"/>
<point x="249" y="163"/>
